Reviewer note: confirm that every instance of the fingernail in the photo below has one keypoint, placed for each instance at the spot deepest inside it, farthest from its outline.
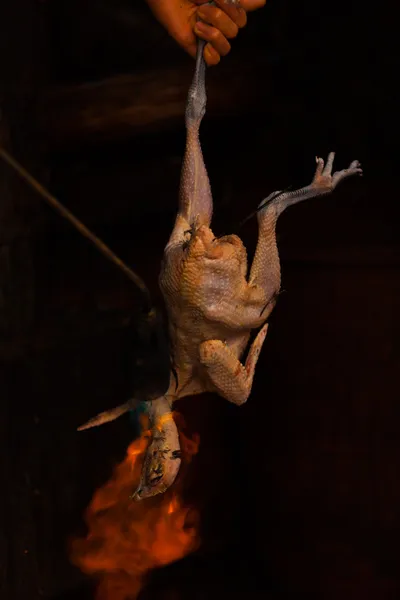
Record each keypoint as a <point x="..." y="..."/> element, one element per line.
<point x="201" y="14"/>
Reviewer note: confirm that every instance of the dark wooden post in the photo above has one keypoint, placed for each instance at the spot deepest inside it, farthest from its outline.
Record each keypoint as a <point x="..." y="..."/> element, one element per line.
<point x="20" y="74"/>
<point x="21" y="71"/>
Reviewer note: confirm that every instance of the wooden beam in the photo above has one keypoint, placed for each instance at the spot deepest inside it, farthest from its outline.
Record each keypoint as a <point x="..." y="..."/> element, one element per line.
<point x="118" y="108"/>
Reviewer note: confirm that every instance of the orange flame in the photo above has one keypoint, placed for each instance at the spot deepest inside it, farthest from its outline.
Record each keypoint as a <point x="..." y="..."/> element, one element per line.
<point x="128" y="538"/>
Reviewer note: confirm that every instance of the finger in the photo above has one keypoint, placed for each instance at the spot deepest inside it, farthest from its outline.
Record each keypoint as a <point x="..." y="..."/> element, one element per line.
<point x="236" y="13"/>
<point x="249" y="5"/>
<point x="214" y="36"/>
<point x="189" y="44"/>
<point x="211" y="56"/>
<point x="219" y="19"/>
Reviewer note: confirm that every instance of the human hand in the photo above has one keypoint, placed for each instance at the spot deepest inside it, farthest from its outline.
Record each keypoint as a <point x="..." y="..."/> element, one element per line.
<point x="218" y="24"/>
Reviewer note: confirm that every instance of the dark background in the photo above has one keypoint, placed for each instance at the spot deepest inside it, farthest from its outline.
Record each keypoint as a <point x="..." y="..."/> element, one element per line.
<point x="301" y="485"/>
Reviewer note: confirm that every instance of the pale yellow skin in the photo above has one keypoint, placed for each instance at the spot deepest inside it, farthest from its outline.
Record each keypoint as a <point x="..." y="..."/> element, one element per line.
<point x="212" y="309"/>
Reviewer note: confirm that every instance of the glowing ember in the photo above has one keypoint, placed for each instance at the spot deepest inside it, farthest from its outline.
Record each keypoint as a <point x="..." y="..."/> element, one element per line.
<point x="127" y="539"/>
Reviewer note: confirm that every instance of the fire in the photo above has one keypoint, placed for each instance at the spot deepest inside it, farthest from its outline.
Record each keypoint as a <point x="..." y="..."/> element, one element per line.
<point x="126" y="539"/>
